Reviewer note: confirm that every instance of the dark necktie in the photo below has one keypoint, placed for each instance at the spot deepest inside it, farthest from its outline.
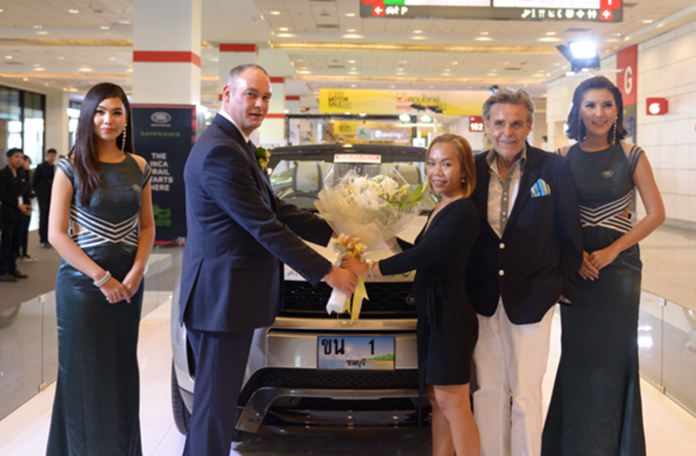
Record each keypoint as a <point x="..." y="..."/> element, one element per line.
<point x="252" y="149"/>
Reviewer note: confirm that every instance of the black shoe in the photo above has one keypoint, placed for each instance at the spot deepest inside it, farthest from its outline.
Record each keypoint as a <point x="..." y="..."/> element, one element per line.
<point x="7" y="278"/>
<point x="18" y="274"/>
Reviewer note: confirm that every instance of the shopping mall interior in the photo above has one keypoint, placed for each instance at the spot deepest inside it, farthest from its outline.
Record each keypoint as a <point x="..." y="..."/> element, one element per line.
<point x="353" y="73"/>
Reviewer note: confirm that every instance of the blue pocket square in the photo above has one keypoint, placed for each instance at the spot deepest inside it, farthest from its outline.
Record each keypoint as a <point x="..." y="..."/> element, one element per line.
<point x="540" y="188"/>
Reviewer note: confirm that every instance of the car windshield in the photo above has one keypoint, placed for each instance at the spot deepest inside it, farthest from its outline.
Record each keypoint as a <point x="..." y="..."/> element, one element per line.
<point x="299" y="180"/>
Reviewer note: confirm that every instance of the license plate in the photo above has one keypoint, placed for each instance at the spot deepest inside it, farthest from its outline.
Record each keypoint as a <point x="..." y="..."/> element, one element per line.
<point x="355" y="352"/>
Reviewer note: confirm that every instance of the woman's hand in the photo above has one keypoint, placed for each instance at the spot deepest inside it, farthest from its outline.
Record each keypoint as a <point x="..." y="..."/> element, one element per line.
<point x="603" y="258"/>
<point x="114" y="291"/>
<point x="355" y="265"/>
<point x="588" y="271"/>
<point x="132" y="281"/>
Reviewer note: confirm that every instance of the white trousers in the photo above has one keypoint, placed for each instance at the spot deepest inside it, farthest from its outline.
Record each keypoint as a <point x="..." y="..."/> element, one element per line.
<point x="510" y="365"/>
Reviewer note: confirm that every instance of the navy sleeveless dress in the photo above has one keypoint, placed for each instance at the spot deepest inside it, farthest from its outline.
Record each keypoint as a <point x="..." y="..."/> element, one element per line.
<point x="95" y="411"/>
<point x="595" y="408"/>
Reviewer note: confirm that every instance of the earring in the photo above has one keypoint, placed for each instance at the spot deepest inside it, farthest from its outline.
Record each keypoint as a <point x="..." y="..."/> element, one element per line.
<point x="123" y="140"/>
<point x="615" y="124"/>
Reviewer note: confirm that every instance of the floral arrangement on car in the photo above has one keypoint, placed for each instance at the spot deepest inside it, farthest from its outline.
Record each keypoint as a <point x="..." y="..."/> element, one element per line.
<point x="366" y="211"/>
<point x="262" y="156"/>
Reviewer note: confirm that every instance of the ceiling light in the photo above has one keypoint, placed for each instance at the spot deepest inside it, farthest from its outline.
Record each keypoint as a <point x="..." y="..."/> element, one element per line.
<point x="583" y="49"/>
<point x="285" y="35"/>
<point x="419" y="37"/>
<point x="42" y="32"/>
<point x="404" y="117"/>
<point x="350" y="30"/>
<point x="217" y="59"/>
<point x="38" y="27"/>
<point x="647" y="21"/>
<point x="60" y="57"/>
<point x="660" y="25"/>
<point x="274" y="13"/>
<point x="581" y="54"/>
<point x="351" y="61"/>
<point x="112" y="58"/>
<point x="8" y="57"/>
<point x="85" y="69"/>
<point x="25" y="79"/>
<point x="304" y="72"/>
<point x="352" y="36"/>
<point x="39" y="69"/>
<point x="627" y="38"/>
<point x="484" y="33"/>
<point x="73" y="11"/>
<point x="483" y="38"/>
<point x="353" y="73"/>
<point x="283" y="29"/>
<point x="2" y="10"/>
<point x="548" y="39"/>
<point x="550" y="33"/>
<point x="104" y="27"/>
<point x="129" y="70"/>
<point x="350" y="14"/>
<point x="418" y="32"/>
<point x="353" y="85"/>
<point x="455" y="63"/>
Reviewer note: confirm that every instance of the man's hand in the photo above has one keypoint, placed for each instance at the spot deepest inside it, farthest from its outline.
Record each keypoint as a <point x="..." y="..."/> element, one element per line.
<point x="341" y="279"/>
<point x="25" y="209"/>
<point x="359" y="267"/>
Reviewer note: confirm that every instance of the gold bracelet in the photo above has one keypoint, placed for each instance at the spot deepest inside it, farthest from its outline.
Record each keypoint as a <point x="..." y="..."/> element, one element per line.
<point x="370" y="264"/>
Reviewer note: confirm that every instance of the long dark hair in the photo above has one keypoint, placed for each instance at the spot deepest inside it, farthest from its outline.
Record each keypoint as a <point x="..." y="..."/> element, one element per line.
<point x="576" y="129"/>
<point x="84" y="154"/>
<point x="466" y="160"/>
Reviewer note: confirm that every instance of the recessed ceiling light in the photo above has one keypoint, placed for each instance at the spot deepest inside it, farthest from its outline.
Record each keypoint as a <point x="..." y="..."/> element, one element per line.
<point x="39" y="69"/>
<point x="353" y="85"/>
<point x="283" y="29"/>
<point x="285" y="35"/>
<point x="112" y="58"/>
<point x="25" y="79"/>
<point x="627" y="38"/>
<point x="304" y="72"/>
<point x="352" y="36"/>
<point x="484" y="33"/>
<point x="350" y="14"/>
<point x="548" y="39"/>
<point x="353" y="73"/>
<point x="73" y="11"/>
<point x="550" y="33"/>
<point x="403" y="62"/>
<point x="351" y="61"/>
<point x="274" y="13"/>
<point x="8" y="57"/>
<point x="38" y="27"/>
<point x="483" y="38"/>
<point x="419" y="37"/>
<point x="104" y="27"/>
<point x="129" y="70"/>
<point x="2" y="10"/>
<point x="647" y="21"/>
<point x="417" y="32"/>
<point x="455" y="63"/>
<point x="42" y="32"/>
<point x="660" y="25"/>
<point x="85" y="69"/>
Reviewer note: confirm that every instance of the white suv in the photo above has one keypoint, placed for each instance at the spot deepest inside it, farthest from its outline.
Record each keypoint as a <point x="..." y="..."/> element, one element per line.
<point x="307" y="372"/>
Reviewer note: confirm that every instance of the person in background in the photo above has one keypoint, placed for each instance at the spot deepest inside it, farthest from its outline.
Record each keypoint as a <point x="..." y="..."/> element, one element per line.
<point x="447" y="324"/>
<point x="524" y="261"/>
<point x="42" y="183"/>
<point x="14" y="207"/>
<point x="102" y="225"/>
<point x="27" y="195"/>
<point x="595" y="407"/>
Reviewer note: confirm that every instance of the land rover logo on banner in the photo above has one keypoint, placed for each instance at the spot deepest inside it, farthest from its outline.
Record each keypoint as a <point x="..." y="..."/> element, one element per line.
<point x="161" y="117"/>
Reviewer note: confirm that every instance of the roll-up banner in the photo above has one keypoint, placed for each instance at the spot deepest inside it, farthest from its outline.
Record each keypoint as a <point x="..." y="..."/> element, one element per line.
<point x="164" y="135"/>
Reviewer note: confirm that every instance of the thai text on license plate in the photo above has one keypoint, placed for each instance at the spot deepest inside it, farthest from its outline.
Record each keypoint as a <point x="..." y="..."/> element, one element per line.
<point x="355" y="352"/>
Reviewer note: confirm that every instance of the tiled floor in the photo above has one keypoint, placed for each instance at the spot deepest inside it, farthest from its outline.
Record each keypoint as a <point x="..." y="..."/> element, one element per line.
<point x="670" y="430"/>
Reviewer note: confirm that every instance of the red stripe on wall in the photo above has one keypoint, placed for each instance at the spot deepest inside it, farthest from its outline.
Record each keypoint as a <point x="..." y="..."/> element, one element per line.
<point x="167" y="57"/>
<point x="292" y="98"/>
<point x="275" y="116"/>
<point x="237" y="47"/>
<point x="277" y="79"/>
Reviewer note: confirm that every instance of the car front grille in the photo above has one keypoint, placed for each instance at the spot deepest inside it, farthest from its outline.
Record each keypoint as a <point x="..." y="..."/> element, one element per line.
<point x="386" y="300"/>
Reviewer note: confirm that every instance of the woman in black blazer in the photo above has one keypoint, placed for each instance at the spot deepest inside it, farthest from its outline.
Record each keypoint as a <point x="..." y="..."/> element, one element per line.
<point x="447" y="324"/>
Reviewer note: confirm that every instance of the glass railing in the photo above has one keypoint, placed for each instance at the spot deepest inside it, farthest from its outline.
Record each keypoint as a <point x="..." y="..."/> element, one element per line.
<point x="29" y="335"/>
<point x="667" y="348"/>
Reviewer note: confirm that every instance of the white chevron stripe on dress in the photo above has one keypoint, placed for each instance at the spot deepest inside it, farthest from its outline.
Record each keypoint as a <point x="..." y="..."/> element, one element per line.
<point x="608" y="215"/>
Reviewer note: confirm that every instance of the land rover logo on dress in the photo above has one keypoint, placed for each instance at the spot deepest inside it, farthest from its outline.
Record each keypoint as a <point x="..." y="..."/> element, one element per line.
<point x="160" y="117"/>
<point x="608" y="174"/>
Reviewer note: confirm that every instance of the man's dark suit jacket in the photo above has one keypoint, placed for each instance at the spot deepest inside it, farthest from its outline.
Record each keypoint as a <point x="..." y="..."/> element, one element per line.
<point x="540" y="250"/>
<point x="43" y="180"/>
<point x="238" y="233"/>
<point x="10" y="191"/>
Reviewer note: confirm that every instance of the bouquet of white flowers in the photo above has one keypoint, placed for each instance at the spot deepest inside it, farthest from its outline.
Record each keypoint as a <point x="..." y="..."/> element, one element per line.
<point x="371" y="209"/>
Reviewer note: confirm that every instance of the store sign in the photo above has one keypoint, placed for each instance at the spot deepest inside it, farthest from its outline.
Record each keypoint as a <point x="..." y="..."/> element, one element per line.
<point x="163" y="136"/>
<point x="459" y="103"/>
<point x="656" y="106"/>
<point x="627" y="77"/>
<point x="476" y="124"/>
<point x="522" y="10"/>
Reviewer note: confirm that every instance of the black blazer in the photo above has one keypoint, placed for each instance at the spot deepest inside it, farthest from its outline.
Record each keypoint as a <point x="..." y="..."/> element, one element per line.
<point x="11" y="188"/>
<point x="238" y="233"/>
<point x="43" y="180"/>
<point x="440" y="257"/>
<point x="540" y="251"/>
